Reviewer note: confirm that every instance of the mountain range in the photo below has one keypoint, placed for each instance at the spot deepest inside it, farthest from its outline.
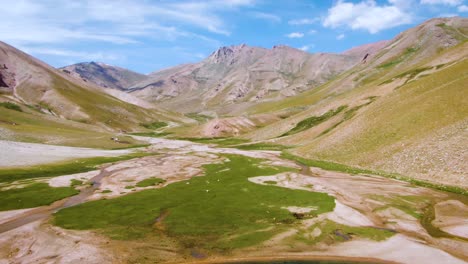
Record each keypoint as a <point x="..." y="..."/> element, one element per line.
<point x="397" y="105"/>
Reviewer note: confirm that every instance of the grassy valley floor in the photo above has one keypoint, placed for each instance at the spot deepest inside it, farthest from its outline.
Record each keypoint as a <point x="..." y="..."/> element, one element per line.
<point x="186" y="202"/>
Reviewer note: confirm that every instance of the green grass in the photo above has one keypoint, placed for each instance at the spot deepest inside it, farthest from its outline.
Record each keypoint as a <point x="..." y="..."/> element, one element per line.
<point x="103" y="108"/>
<point x="151" y="134"/>
<point x="313" y="121"/>
<point x="150" y="182"/>
<point x="333" y="166"/>
<point x="411" y="114"/>
<point x="33" y="195"/>
<point x="75" y="182"/>
<point x="329" y="231"/>
<point x="219" y="211"/>
<point x="263" y="146"/>
<point x="406" y="54"/>
<point x="154" y="125"/>
<point x="40" y="128"/>
<point x="411" y="205"/>
<point x="348" y="114"/>
<point x="452" y="31"/>
<point x="409" y="74"/>
<point x="199" y="117"/>
<point x="62" y="168"/>
<point x="11" y="106"/>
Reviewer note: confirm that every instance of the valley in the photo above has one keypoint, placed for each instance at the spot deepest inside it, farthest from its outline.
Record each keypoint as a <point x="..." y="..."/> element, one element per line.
<point x="250" y="155"/>
<point x="219" y="203"/>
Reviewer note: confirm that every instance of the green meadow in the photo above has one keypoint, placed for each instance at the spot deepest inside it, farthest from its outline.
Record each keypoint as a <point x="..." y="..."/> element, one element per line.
<point x="219" y="211"/>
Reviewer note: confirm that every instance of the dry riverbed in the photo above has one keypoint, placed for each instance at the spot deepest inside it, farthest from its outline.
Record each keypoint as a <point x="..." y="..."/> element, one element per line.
<point x="361" y="202"/>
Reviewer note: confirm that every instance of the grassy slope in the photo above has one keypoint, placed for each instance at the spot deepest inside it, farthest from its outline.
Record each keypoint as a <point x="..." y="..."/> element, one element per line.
<point x="219" y="211"/>
<point x="103" y="108"/>
<point x="30" y="126"/>
<point x="78" y="116"/>
<point x="409" y="113"/>
<point x="413" y="101"/>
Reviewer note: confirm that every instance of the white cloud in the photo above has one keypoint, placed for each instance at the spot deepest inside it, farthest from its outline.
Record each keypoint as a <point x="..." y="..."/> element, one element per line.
<point x="366" y="15"/>
<point x="266" y="16"/>
<point x="442" y="2"/>
<point x="340" y="36"/>
<point x="82" y="56"/>
<point x="306" y="47"/>
<point x="312" y="31"/>
<point x="402" y="4"/>
<point x="462" y="8"/>
<point x="120" y="21"/>
<point x="303" y="21"/>
<point x="295" y="35"/>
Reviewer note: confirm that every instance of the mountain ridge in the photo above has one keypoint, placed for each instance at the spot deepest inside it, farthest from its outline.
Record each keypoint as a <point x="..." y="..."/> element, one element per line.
<point x="104" y="75"/>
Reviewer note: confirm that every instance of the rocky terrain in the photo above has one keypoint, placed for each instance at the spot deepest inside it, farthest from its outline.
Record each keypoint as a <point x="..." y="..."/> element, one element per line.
<point x="104" y="75"/>
<point x="241" y="74"/>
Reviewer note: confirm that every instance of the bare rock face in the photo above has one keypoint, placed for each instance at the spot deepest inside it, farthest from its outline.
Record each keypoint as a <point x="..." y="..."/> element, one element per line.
<point x="7" y="78"/>
<point x="241" y="74"/>
<point x="104" y="75"/>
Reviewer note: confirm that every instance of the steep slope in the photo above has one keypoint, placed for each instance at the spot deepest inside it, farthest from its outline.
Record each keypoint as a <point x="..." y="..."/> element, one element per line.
<point x="235" y="77"/>
<point x="403" y="110"/>
<point x="104" y="75"/>
<point x="43" y="96"/>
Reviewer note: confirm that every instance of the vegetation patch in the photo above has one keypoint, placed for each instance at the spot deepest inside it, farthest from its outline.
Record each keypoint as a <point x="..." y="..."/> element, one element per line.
<point x="219" y="211"/>
<point x="263" y="146"/>
<point x="58" y="169"/>
<point x="154" y="125"/>
<point x="407" y="53"/>
<point x="199" y="117"/>
<point x="75" y="182"/>
<point x="332" y="166"/>
<point x="313" y="121"/>
<point x="411" y="205"/>
<point x="33" y="195"/>
<point x="150" y="182"/>
<point x="331" y="232"/>
<point x="411" y="74"/>
<point x="452" y="32"/>
<point x="11" y="106"/>
<point x="151" y="134"/>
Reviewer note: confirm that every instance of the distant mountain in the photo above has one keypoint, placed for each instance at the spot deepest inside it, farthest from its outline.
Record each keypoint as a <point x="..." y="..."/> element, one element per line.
<point x="403" y="109"/>
<point x="38" y="87"/>
<point x="104" y="75"/>
<point x="241" y="74"/>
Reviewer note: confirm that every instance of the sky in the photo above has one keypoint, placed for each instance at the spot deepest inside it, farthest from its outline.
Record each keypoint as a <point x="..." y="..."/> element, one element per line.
<point x="149" y="35"/>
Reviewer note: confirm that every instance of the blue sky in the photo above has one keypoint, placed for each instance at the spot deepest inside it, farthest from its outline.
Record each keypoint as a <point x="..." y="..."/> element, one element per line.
<point x="145" y="36"/>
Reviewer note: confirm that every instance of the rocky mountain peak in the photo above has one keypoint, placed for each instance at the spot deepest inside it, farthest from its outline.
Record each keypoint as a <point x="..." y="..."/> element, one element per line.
<point x="227" y="53"/>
